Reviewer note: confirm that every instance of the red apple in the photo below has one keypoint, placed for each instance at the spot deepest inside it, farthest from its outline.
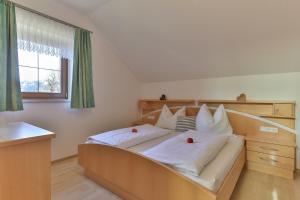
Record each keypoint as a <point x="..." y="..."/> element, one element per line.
<point x="134" y="130"/>
<point x="190" y="140"/>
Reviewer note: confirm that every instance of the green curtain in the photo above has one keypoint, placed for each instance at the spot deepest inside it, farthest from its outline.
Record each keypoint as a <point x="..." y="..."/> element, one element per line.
<point x="10" y="92"/>
<point x="82" y="83"/>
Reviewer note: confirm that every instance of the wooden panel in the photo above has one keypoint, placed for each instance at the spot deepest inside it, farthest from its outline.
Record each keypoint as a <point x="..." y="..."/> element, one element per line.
<point x="284" y="109"/>
<point x="229" y="183"/>
<point x="254" y="109"/>
<point x="25" y="171"/>
<point x="277" y="161"/>
<point x="272" y="149"/>
<point x="147" y="106"/>
<point x="251" y="127"/>
<point x="135" y="177"/>
<point x="269" y="169"/>
<point x="192" y="111"/>
<point x="288" y="122"/>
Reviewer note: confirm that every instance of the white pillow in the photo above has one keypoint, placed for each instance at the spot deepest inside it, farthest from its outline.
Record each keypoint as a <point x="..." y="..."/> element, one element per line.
<point x="219" y="123"/>
<point x="167" y="119"/>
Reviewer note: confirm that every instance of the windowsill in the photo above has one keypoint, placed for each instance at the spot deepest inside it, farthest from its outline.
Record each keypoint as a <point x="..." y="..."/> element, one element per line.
<point x="46" y="100"/>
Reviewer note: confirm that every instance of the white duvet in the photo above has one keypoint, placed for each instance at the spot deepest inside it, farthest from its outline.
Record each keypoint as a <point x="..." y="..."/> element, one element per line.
<point x="185" y="157"/>
<point x="125" y="138"/>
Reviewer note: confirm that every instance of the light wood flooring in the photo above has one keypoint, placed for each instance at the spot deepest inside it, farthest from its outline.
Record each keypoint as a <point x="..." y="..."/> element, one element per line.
<point x="69" y="183"/>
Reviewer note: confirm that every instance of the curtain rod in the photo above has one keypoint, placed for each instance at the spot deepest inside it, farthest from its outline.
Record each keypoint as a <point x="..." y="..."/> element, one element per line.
<point x="48" y="16"/>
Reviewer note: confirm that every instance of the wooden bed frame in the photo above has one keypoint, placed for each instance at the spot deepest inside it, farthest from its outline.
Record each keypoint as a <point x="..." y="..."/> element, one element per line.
<point x="135" y="177"/>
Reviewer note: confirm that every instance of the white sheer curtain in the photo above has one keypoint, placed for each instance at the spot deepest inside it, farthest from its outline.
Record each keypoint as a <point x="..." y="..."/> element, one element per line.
<point x="42" y="35"/>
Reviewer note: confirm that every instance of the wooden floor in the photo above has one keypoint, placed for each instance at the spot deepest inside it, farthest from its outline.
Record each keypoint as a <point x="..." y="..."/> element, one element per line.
<point x="69" y="183"/>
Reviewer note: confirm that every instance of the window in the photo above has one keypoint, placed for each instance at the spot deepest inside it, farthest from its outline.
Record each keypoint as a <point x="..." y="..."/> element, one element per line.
<point x="43" y="46"/>
<point x="43" y="76"/>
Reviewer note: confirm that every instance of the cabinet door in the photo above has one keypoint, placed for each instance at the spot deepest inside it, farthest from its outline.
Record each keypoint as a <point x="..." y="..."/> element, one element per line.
<point x="25" y="171"/>
<point x="284" y="110"/>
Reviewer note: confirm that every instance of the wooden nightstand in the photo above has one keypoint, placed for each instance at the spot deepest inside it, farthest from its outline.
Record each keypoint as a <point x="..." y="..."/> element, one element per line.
<point x="271" y="156"/>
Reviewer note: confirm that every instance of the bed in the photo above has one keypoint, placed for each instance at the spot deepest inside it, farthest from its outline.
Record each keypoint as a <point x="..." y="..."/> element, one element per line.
<point x="134" y="176"/>
<point x="215" y="172"/>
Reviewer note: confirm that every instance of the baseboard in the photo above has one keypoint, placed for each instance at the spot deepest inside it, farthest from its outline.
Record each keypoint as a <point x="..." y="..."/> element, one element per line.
<point x="64" y="158"/>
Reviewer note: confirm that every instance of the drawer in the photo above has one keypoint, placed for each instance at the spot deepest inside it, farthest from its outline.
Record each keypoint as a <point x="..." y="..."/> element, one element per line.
<point x="269" y="169"/>
<point x="277" y="161"/>
<point x="285" y="110"/>
<point x="273" y="149"/>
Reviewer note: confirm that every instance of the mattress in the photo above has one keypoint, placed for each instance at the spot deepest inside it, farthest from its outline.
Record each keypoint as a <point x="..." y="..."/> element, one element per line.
<point x="215" y="172"/>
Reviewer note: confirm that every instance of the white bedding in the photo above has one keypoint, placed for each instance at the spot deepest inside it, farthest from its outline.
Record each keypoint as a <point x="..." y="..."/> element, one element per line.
<point x="124" y="138"/>
<point x="216" y="170"/>
<point x="151" y="143"/>
<point x="213" y="175"/>
<point x="185" y="157"/>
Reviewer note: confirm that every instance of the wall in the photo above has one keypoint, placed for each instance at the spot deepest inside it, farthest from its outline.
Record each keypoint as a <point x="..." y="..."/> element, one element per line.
<point x="257" y="87"/>
<point x="116" y="92"/>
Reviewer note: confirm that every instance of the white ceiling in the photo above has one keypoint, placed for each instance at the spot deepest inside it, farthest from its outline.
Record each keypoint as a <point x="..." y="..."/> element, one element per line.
<point x="86" y="6"/>
<point x="163" y="40"/>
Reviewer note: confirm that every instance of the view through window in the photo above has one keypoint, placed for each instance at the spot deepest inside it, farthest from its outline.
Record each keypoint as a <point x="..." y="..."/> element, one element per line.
<point x="40" y="73"/>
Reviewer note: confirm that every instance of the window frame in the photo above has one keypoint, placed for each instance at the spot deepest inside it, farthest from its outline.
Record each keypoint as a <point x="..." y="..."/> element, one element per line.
<point x="64" y="86"/>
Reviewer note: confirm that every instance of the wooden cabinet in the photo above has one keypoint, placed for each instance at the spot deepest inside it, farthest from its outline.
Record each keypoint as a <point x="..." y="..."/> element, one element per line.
<point x="271" y="157"/>
<point x="25" y="162"/>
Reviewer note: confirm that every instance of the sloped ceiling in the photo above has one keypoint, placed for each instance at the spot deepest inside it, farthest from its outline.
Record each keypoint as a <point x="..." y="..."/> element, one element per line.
<point x="163" y="40"/>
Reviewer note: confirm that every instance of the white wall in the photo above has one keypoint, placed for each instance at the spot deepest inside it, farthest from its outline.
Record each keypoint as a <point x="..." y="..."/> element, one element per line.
<point x="258" y="87"/>
<point x="116" y="92"/>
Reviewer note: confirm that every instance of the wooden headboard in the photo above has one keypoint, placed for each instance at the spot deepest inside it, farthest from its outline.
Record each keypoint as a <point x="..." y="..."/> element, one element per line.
<point x="247" y="118"/>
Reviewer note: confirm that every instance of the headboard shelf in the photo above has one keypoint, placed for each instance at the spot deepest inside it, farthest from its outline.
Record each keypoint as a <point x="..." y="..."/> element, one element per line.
<point x="169" y="100"/>
<point x="281" y="112"/>
<point x="245" y="102"/>
<point x="148" y="105"/>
